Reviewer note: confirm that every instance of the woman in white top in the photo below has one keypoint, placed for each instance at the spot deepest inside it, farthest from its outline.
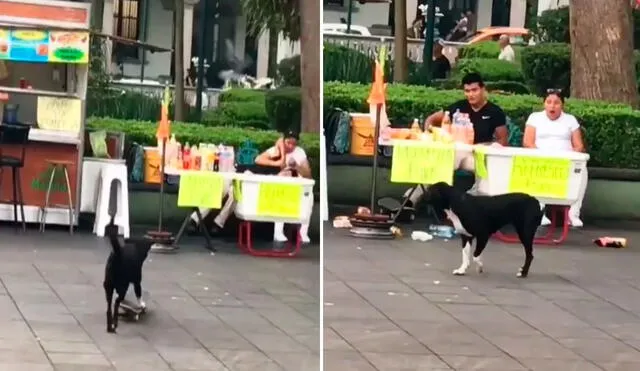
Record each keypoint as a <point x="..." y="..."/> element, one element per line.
<point x="554" y="129"/>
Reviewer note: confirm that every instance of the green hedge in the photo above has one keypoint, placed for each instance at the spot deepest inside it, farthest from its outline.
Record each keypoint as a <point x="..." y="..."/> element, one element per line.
<point x="284" y="108"/>
<point x="242" y="95"/>
<point x="289" y="71"/>
<point x="612" y="131"/>
<point x="491" y="69"/>
<point x="247" y="114"/>
<point x="485" y="49"/>
<point x="145" y="133"/>
<point x="122" y="104"/>
<point x="548" y="65"/>
<point x="505" y="87"/>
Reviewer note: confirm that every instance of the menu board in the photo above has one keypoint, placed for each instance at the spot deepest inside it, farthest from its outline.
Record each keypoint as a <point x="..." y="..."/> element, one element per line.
<point x="44" y="46"/>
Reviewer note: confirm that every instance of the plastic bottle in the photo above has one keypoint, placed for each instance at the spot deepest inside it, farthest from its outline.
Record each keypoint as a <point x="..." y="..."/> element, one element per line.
<point x="178" y="163"/>
<point x="415" y="126"/>
<point x="196" y="158"/>
<point x="469" y="132"/>
<point x="442" y="231"/>
<point x="186" y="157"/>
<point x="446" y="121"/>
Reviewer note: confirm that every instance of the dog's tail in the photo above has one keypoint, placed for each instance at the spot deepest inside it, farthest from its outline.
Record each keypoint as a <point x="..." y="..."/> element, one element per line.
<point x="112" y="234"/>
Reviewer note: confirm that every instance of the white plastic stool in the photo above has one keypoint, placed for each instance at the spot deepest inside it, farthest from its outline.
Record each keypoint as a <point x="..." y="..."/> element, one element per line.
<point x="109" y="173"/>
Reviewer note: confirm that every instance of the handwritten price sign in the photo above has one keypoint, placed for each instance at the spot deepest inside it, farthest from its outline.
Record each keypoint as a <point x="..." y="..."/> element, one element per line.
<point x="422" y="163"/>
<point x="279" y="200"/>
<point x="540" y="176"/>
<point x="200" y="189"/>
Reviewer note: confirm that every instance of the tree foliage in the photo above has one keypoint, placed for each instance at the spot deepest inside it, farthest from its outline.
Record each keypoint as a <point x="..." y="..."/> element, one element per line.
<point x="282" y="15"/>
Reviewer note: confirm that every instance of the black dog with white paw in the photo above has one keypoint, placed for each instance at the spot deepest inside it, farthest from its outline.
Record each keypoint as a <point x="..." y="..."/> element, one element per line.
<point x="124" y="267"/>
<point x="479" y="217"/>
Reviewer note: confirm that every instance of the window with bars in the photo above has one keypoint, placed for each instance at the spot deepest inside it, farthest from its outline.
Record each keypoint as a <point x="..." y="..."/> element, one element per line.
<point x="126" y="24"/>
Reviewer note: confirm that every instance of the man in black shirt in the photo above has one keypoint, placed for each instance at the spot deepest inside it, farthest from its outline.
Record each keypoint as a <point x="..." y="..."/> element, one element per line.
<point x="488" y="119"/>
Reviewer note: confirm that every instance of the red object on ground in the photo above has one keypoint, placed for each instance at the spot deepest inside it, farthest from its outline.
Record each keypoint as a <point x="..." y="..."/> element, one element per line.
<point x="245" y="243"/>
<point x="548" y="238"/>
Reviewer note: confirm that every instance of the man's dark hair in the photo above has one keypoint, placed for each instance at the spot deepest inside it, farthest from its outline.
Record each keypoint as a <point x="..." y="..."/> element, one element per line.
<point x="291" y="134"/>
<point x="472" y="78"/>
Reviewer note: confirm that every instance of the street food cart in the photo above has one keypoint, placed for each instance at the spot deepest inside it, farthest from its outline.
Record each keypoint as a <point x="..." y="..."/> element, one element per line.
<point x="44" y="49"/>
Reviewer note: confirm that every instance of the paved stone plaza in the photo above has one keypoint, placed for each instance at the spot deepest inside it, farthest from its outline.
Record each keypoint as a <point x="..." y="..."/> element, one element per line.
<point x="394" y="305"/>
<point x="206" y="312"/>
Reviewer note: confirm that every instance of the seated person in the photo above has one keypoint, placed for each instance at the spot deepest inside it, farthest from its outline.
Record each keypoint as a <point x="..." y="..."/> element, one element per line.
<point x="553" y="129"/>
<point x="488" y="121"/>
<point x="284" y="155"/>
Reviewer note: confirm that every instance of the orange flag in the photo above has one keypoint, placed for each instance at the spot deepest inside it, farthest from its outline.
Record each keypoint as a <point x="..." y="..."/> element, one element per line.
<point x="376" y="96"/>
<point x="164" y="126"/>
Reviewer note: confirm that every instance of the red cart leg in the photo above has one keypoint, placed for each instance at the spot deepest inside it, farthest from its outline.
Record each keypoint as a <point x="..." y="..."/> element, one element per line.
<point x="245" y="243"/>
<point x="547" y="239"/>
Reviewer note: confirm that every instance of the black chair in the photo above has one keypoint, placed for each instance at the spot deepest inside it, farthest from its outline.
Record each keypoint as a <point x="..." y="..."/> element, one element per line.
<point x="16" y="135"/>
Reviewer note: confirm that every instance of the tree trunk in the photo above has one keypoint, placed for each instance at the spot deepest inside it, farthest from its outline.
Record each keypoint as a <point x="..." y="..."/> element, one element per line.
<point x="400" y="73"/>
<point x="272" y="60"/>
<point x="602" y="62"/>
<point x="178" y="111"/>
<point x="310" y="65"/>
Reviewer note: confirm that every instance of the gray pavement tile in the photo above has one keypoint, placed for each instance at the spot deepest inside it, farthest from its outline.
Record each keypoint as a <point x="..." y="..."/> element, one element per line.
<point x="406" y="362"/>
<point x="82" y="367"/>
<point x="539" y="346"/>
<point x="190" y="359"/>
<point x="52" y="346"/>
<point x="334" y="342"/>
<point x="136" y="360"/>
<point x="604" y="350"/>
<point x="246" y="360"/>
<point x="537" y="364"/>
<point x="503" y="363"/>
<point x="296" y="361"/>
<point x="274" y="342"/>
<point x="618" y="366"/>
<point x="86" y="360"/>
<point x="464" y="343"/>
<point x="346" y="361"/>
<point x="26" y="366"/>
<point x="26" y="355"/>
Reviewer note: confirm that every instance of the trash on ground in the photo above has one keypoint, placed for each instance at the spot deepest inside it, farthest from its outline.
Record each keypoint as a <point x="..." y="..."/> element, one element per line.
<point x="421" y="236"/>
<point x="341" y="222"/>
<point x="613" y="242"/>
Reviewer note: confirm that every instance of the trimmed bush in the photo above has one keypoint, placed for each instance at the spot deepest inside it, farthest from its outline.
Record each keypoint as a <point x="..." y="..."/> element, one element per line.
<point x="490" y="69"/>
<point x="508" y="87"/>
<point x="612" y="130"/>
<point x="242" y="95"/>
<point x="247" y="114"/>
<point x="123" y="104"/>
<point x="486" y="49"/>
<point x="284" y="108"/>
<point x="547" y="65"/>
<point x="144" y="132"/>
<point x="289" y="72"/>
<point x="341" y="63"/>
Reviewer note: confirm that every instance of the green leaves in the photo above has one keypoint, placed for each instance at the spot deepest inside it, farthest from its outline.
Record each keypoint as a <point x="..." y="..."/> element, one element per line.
<point x="279" y="15"/>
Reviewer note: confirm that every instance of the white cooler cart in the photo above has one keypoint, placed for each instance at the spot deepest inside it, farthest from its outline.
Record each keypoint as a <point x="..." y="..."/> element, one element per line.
<point x="499" y="163"/>
<point x="247" y="192"/>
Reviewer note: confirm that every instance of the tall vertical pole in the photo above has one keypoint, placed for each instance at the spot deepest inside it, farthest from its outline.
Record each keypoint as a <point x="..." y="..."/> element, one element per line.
<point x="427" y="56"/>
<point x="349" y="17"/>
<point x="202" y="30"/>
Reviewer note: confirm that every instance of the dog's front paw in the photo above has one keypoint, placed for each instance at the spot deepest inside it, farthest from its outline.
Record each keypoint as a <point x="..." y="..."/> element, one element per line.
<point x="522" y="273"/>
<point x="459" y="272"/>
<point x="111" y="329"/>
<point x="479" y="268"/>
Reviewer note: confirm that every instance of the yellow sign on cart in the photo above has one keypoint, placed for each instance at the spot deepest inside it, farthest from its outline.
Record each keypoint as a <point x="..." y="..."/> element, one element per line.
<point x="540" y="176"/>
<point x="480" y="159"/>
<point x="200" y="189"/>
<point x="422" y="162"/>
<point x="279" y="200"/>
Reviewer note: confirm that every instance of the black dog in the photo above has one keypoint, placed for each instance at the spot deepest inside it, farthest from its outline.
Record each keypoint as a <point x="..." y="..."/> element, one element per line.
<point x="481" y="216"/>
<point x="124" y="267"/>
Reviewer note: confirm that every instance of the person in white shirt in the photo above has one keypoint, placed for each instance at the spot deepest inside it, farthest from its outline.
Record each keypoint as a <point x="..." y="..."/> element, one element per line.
<point x="506" y="51"/>
<point x="555" y="130"/>
<point x="293" y="161"/>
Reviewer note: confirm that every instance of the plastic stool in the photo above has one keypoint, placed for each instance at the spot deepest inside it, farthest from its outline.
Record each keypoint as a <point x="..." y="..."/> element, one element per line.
<point x="112" y="172"/>
<point x="55" y="166"/>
